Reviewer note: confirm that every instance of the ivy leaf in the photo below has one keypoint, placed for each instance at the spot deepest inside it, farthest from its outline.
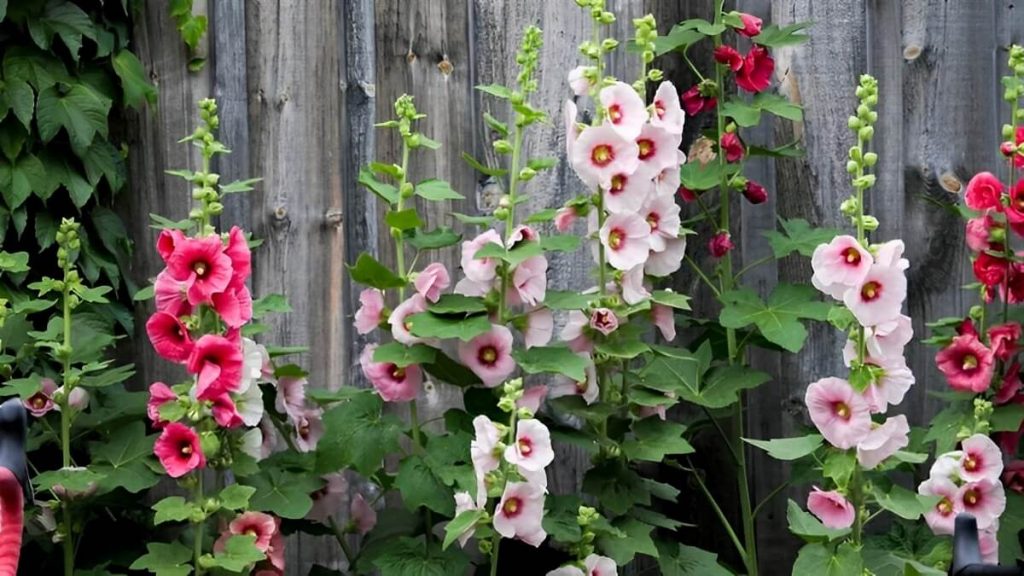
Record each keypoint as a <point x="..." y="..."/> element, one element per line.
<point x="64" y="19"/>
<point x="102" y="159"/>
<point x="420" y="485"/>
<point x="173" y="509"/>
<point x="802" y="524"/>
<point x="637" y="540"/>
<point x="17" y="95"/>
<point x="165" y="559"/>
<point x="774" y="36"/>
<point x="239" y="552"/>
<point x="411" y="557"/>
<point x="682" y="560"/>
<point x="38" y="68"/>
<point x="372" y="273"/>
<point x="81" y="111"/>
<point x="356" y="434"/>
<point x="798" y="235"/>
<point x="124" y="459"/>
<point x="655" y="439"/>
<point x="285" y="494"/>
<point x="554" y="359"/>
<point x="437" y="190"/>
<point x="430" y="325"/>
<point x="236" y="496"/>
<point x="788" y="448"/>
<point x="386" y="192"/>
<point x="401" y="356"/>
<point x="134" y="84"/>
<point x="778" y="320"/>
<point x="18" y="179"/>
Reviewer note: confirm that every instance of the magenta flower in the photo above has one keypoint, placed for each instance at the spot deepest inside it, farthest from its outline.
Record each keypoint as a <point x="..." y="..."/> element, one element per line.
<point x="756" y="73"/>
<point x="984" y="499"/>
<point x="940" y="517"/>
<point x="840" y="265"/>
<point x="167" y="241"/>
<point x="178" y="450"/>
<point x="224" y="411"/>
<point x="879" y="296"/>
<point x="662" y="214"/>
<point x="751" y="25"/>
<point x="599" y="153"/>
<point x="234" y="305"/>
<point x="237" y="250"/>
<point x="171" y="295"/>
<point x="530" y="281"/>
<point x="604" y="321"/>
<point x="967" y="364"/>
<point x="1003" y="340"/>
<point x="720" y="244"/>
<point x="626" y="239"/>
<point x="694" y="102"/>
<point x="839" y="413"/>
<point x="984" y="192"/>
<point x="657" y="151"/>
<point x="394" y="384"/>
<point x="159" y="394"/>
<point x="668" y="112"/>
<point x="982" y="459"/>
<point x="984" y="233"/>
<point x="532" y="448"/>
<point x="831" y="507"/>
<point x="480" y="270"/>
<point x="667" y="261"/>
<point x="489" y="355"/>
<point x="732" y="147"/>
<point x="540" y="325"/>
<point x="41" y="402"/>
<point x="520" y="513"/>
<point x="432" y="281"/>
<point x="625" y="111"/>
<point x="664" y="318"/>
<point x="217" y="364"/>
<point x="169" y="337"/>
<point x="399" y="319"/>
<point x="883" y="441"/>
<point x="203" y="262"/>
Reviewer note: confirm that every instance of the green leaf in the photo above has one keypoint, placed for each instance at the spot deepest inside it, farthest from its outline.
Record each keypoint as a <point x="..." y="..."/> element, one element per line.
<point x="806" y="526"/>
<point x="497" y="125"/>
<point x="774" y="36"/>
<point x="357" y="434"/>
<point x="421" y="485"/>
<point x="14" y="263"/>
<point x="401" y="355"/>
<point x="779" y="319"/>
<point x="560" y="243"/>
<point x="686" y="375"/>
<point x="655" y="439"/>
<point x="460" y="525"/>
<point x="545" y="215"/>
<point x="102" y="159"/>
<point x="625" y="347"/>
<point x="19" y="179"/>
<point x="17" y="95"/>
<point x="696" y="176"/>
<point x="742" y="112"/>
<point x="372" y="273"/>
<point x="64" y="19"/>
<point x="72" y="479"/>
<point x="615" y="486"/>
<point x="38" y="68"/>
<point x="80" y="111"/>
<point x="680" y="370"/>
<point x="447" y="370"/>
<point x="239" y="552"/>
<point x="405" y="220"/>
<point x="165" y="559"/>
<point x="285" y="494"/>
<point x="818" y="560"/>
<point x="902" y="502"/>
<point x="411" y="557"/>
<point x="434" y="239"/>
<point x="514" y="257"/>
<point x="125" y="458"/>
<point x="430" y="325"/>
<point x="946" y="424"/>
<point x="788" y="448"/>
<point x="552" y="359"/>
<point x="779" y="106"/>
<point x="236" y="496"/>
<point x="173" y="509"/>
<point x="1011" y="523"/>
<point x="561" y="300"/>
<point x="1007" y="418"/>
<point x="839" y="466"/>
<point x="479" y="167"/>
<point x="678" y="37"/>
<point x="671" y="299"/>
<point x="682" y="560"/>
<point x="239" y="186"/>
<point x="637" y="540"/>
<point x="495" y="90"/>
<point x="386" y="192"/>
<point x="134" y="84"/>
<point x="437" y="190"/>
<point x="271" y="303"/>
<point x="458" y="304"/>
<point x="797" y="235"/>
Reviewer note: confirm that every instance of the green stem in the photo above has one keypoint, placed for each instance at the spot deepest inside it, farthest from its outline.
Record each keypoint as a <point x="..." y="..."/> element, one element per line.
<point x="721" y="432"/>
<point x="689" y="63"/>
<point x="414" y="419"/>
<point x="857" y="499"/>
<point x="340" y="537"/>
<point x="755" y="264"/>
<point x="495" y="546"/>
<point x="702" y="275"/>
<point x="399" y="239"/>
<point x="721" y="515"/>
<point x="769" y="497"/>
<point x="197" y="543"/>
<point x="1007" y="249"/>
<point x="510" y="218"/>
<point x="65" y="419"/>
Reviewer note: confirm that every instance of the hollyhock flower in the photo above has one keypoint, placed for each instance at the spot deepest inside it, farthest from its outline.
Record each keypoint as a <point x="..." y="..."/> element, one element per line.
<point x="694" y="102"/>
<point x="521" y="233"/>
<point x="532" y="449"/>
<point x="668" y="113"/>
<point x="364" y="517"/>
<point x="599" y="153"/>
<point x="940" y="517"/>
<point x="728" y="56"/>
<point x="883" y="441"/>
<point x="573" y="333"/>
<point x="628" y="192"/>
<point x="329" y="498"/>
<point x="204" y="263"/>
<point x="967" y="364"/>
<point x="839" y="413"/>
<point x="1010" y="385"/>
<point x="480" y="269"/>
<point x="530" y="281"/>
<point x="532" y="398"/>
<point x="731" y="145"/>
<point x="756" y="73"/>
<point x="249" y="405"/>
<point x="664" y="318"/>
<point x="668" y="260"/>
<point x="489" y="355"/>
<point x="1003" y="340"/>
<point x="169" y="337"/>
<point x="720" y="244"/>
<point x="564" y="218"/>
<point x="624" y="110"/>
<point x="178" y="450"/>
<point x="234" y="306"/>
<point x="520" y="512"/>
<point x="751" y="25"/>
<point x="167" y="241"/>
<point x="831" y="507"/>
<point x="1015" y="208"/>
<point x="662" y="214"/>
<point x="600" y="566"/>
<point x="41" y="402"/>
<point x="984" y="499"/>
<point x="879" y="296"/>
<point x="485" y="451"/>
<point x="984" y="233"/>
<point x="432" y="281"/>
<point x="258" y="524"/>
<point x="587" y="388"/>
<point x="984" y="192"/>
<point x="578" y="81"/>
<point x="840" y="265"/>
<point x="159" y="394"/>
<point x="566" y="571"/>
<point x="604" y="321"/>
<point x="1013" y="292"/>
<point x="946" y="465"/>
<point x="668" y="182"/>
<point x="171" y="296"/>
<point x="572" y="128"/>
<point x="371" y="309"/>
<point x="256" y="365"/>
<point x="217" y="363"/>
<point x="399" y="319"/>
<point x="887" y="340"/>
<point x="309" y="428"/>
<point x="394" y="384"/>
<point x="658" y="150"/>
<point x="633" y="289"/>
<point x="891" y="386"/>
<point x="988" y="544"/>
<point x="269" y="438"/>
<point x="237" y="250"/>
<point x="982" y="459"/>
<point x="990" y="270"/>
<point x="77" y="400"/>
<point x="626" y="239"/>
<point x="540" y="325"/>
<point x="1013" y="476"/>
<point x="224" y="411"/>
<point x="467" y="287"/>
<point x="754" y="192"/>
<point x="464" y="503"/>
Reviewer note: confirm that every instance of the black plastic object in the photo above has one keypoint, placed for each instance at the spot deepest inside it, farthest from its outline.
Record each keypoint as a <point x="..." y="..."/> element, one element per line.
<point x="13" y="430"/>
<point x="967" y="552"/>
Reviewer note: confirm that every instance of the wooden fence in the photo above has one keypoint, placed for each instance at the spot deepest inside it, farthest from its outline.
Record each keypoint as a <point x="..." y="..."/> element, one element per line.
<point x="300" y="85"/>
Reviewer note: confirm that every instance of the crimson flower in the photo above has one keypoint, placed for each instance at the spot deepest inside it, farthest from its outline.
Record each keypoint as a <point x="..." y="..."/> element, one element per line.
<point x="178" y="450"/>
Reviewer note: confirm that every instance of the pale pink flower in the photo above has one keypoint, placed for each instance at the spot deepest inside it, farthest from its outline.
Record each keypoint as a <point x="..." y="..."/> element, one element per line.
<point x="41" y="402"/>
<point x="432" y="281"/>
<point x="587" y="388"/>
<point x="309" y="428"/>
<point x="521" y="233"/>
<point x="840" y="265"/>
<point x="393" y="383"/>
<point x="626" y="239"/>
<point x="633" y="289"/>
<point x="467" y="287"/>
<point x="668" y="261"/>
<point x="879" y="296"/>
<point x="291" y="392"/>
<point x="566" y="571"/>
<point x="532" y="398"/>
<point x="578" y="81"/>
<point x="364" y="517"/>
<point x="668" y="182"/>
<point x="604" y="321"/>
<point x="573" y="333"/>
<point x="988" y="543"/>
<point x="627" y="193"/>
<point x="599" y="153"/>
<point x="600" y="566"/>
<point x="940" y="517"/>
<point x="946" y="465"/>
<point x="891" y="386"/>
<point x="540" y="325"/>
<point x="624" y="110"/>
<point x="464" y="503"/>
<point x="564" y="218"/>
<point x="572" y="128"/>
<point x="400" y="324"/>
<point x="489" y="355"/>
<point x="530" y="281"/>
<point x="485" y="452"/>
<point x="480" y="270"/>
<point x="664" y="317"/>
<point x="831" y="507"/>
<point x="887" y="340"/>
<point x="982" y="459"/>
<point x="839" y="413"/>
<point x="891" y="254"/>
<point x="251" y="523"/>
<point x="657" y="150"/>
<point x="662" y="214"/>
<point x="883" y="441"/>
<point x="520" y="513"/>
<point x="984" y="499"/>
<point x="668" y="112"/>
<point x="532" y="448"/>
<point x="329" y="498"/>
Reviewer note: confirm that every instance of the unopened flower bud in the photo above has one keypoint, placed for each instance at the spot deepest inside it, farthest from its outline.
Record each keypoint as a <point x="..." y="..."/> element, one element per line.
<point x="849" y="207"/>
<point x="609" y="44"/>
<point x="607" y="18"/>
<point x="215" y="208"/>
<point x="407" y="190"/>
<point x="501" y="213"/>
<point x="870" y="222"/>
<point x="854" y="123"/>
<point x="866" y="133"/>
<point x="1007" y="131"/>
<point x="852" y="167"/>
<point x="870" y="159"/>
<point x="505" y="201"/>
<point x="209" y="443"/>
<point x="527" y="174"/>
<point x="502" y="146"/>
<point x="1008" y="148"/>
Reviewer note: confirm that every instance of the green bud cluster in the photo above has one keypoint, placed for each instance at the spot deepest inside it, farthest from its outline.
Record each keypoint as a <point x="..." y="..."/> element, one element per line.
<point x="512" y="391"/>
<point x="68" y="243"/>
<point x="527" y="58"/>
<point x="646" y="34"/>
<point x="862" y="125"/>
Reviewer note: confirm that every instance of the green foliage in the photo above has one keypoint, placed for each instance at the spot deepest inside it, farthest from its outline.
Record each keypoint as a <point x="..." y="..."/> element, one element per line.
<point x="778" y="320"/>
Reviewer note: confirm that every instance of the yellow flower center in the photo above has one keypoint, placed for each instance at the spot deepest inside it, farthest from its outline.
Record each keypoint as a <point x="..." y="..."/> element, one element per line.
<point x="488" y="355"/>
<point x="602" y="155"/>
<point x="851" y="255"/>
<point x="970" y="362"/>
<point x="842" y="410"/>
<point x="646" y="148"/>
<point x="511" y="506"/>
<point x="871" y="290"/>
<point x="615" y="239"/>
<point x="200" y="268"/>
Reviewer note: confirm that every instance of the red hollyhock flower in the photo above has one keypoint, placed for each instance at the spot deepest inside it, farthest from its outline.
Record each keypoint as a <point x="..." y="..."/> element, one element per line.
<point x="720" y="244"/>
<point x="1010" y="386"/>
<point x="1003" y="340"/>
<point x="731" y="146"/>
<point x="966" y="327"/>
<point x="686" y="194"/>
<point x="166" y="242"/>
<point x="1015" y="208"/>
<point x="754" y="192"/>
<point x="984" y="192"/>
<point x="203" y="261"/>
<point x="178" y="450"/>
<point x="1018" y="160"/>
<point x="694" y="102"/>
<point x="756" y="73"/>
<point x="751" y="25"/>
<point x="241" y="258"/>
<point x="217" y="361"/>
<point x="225" y="412"/>
<point x="967" y="364"/>
<point x="169" y="337"/>
<point x="1013" y="475"/>
<point x="990" y="270"/>
<point x="159" y="394"/>
<point x="728" y="56"/>
<point x="1015" y="283"/>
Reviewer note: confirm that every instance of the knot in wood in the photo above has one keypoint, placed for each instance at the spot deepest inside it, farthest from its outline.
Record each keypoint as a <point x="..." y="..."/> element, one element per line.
<point x="410" y="56"/>
<point x="911" y="52"/>
<point x="334" y="217"/>
<point x="445" y="66"/>
<point x="950" y="183"/>
<point x="280" y="213"/>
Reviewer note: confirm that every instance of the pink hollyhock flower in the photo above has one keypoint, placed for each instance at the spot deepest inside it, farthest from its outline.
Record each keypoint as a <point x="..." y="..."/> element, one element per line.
<point x="251" y="523"/>
<point x="627" y="193"/>
<point x="485" y="452"/>
<point x="578" y="81"/>
<point x="728" y="56"/>
<point x="720" y="244"/>
<point x="530" y="281"/>
<point x="990" y="270"/>
<point x="600" y="153"/>
<point x="540" y="325"/>
<point x="1015" y="208"/>
<point x="1010" y="385"/>
<point x="982" y="459"/>
<point x="668" y="113"/>
<point x="694" y="102"/>
<point x="564" y="218"/>
<point x="984" y="192"/>
<point x="78" y="399"/>
<point x="532" y="449"/>
<point x="467" y="287"/>
<point x="756" y="74"/>
<point x="946" y="465"/>
<point x="237" y="250"/>
<point x="599" y="566"/>
<point x="489" y="355"/>
<point x="178" y="450"/>
<point x="893" y="384"/>
<point x="988" y="544"/>
<point x="169" y="337"/>
<point x="840" y="265"/>
<point x="394" y="384"/>
<point x="329" y="498"/>
<point x="668" y="182"/>
<point x="984" y="233"/>
<point x="364" y="517"/>
<point x="665" y="319"/>
<point x="520" y="512"/>
<point x="667" y="261"/>
<point x="831" y="507"/>
<point x="566" y="571"/>
<point x="291" y="395"/>
<point x="879" y="296"/>
<point x="224" y="411"/>
<point x="1003" y="340"/>
<point x="217" y="363"/>
<point x="633" y="289"/>
<point x="167" y="241"/>
<point x="940" y="518"/>
<point x="203" y="262"/>
<point x="159" y="394"/>
<point x="883" y="441"/>
<point x="887" y="340"/>
<point x="464" y="503"/>
<point x="309" y="428"/>
<point x="658" y="151"/>
<point x="732" y="147"/>
<point x="234" y="306"/>
<point x="662" y="215"/>
<point x="171" y="295"/>
<point x="480" y="270"/>
<point x="401" y="326"/>
<point x="371" y="310"/>
<point x="984" y="499"/>
<point x="604" y="321"/>
<point x="41" y="402"/>
<point x="587" y="388"/>
<point x="626" y="239"/>
<point x="432" y="281"/>
<point x="521" y="233"/>
<point x="967" y="364"/>
<point x="532" y="398"/>
<point x="755" y="193"/>
<point x="751" y="25"/>
<point x="624" y="110"/>
<point x="839" y="413"/>
<point x="573" y="333"/>
<point x="572" y="129"/>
